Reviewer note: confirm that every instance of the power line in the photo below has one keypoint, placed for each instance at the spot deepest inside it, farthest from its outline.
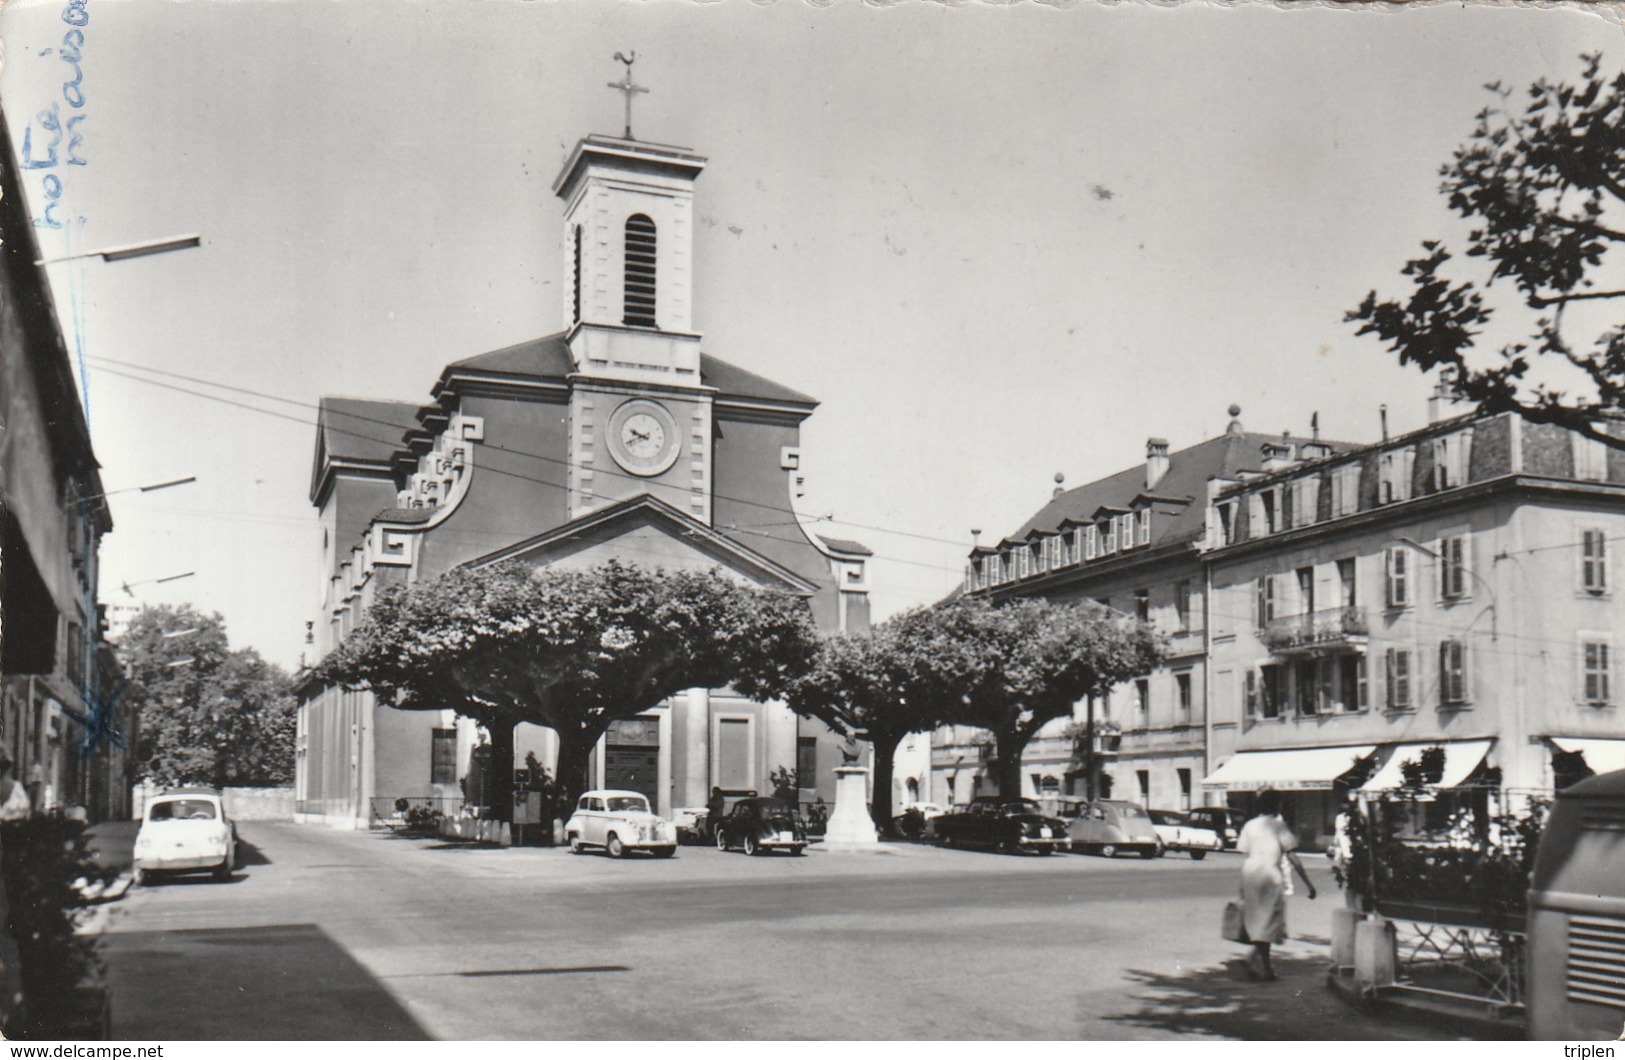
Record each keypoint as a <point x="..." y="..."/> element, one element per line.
<point x="395" y="441"/>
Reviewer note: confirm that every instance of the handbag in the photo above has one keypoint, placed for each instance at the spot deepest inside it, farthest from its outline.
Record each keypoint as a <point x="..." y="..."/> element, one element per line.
<point x="1234" y="925"/>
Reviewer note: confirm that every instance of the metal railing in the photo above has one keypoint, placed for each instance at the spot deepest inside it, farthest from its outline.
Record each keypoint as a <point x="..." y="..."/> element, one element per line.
<point x="1337" y="625"/>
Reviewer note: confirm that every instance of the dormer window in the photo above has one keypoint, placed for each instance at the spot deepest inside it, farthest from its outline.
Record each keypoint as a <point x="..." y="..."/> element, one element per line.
<point x="639" y="296"/>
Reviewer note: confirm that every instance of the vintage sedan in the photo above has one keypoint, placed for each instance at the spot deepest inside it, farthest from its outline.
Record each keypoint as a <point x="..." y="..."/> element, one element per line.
<point x="1011" y="825"/>
<point x="617" y="822"/>
<point x="757" y="825"/>
<point x="1111" y="828"/>
<point x="1177" y="833"/>
<point x="185" y="830"/>
<point x="1221" y="820"/>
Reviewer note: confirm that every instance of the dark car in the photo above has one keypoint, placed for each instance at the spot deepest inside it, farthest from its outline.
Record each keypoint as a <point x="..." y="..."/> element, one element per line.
<point x="1011" y="825"/>
<point x="760" y="824"/>
<point x="1221" y="820"/>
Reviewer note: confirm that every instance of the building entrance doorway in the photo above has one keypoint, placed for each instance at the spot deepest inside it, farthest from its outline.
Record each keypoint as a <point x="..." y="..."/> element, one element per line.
<point x="632" y="756"/>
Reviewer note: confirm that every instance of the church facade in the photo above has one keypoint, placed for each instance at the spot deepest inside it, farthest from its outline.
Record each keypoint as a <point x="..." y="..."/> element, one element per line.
<point x="619" y="438"/>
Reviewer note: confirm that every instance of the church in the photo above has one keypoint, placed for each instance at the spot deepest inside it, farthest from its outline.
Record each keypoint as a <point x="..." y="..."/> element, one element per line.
<point x="619" y="437"/>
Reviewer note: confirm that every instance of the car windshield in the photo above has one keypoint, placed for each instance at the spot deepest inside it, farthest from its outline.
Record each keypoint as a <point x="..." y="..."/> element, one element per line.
<point x="182" y="810"/>
<point x="629" y="804"/>
<point x="1164" y="817"/>
<point x="1012" y="809"/>
<point x="1130" y="810"/>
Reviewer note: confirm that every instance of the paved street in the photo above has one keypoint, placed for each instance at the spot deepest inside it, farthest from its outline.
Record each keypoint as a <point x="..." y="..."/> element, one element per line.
<point x="344" y="935"/>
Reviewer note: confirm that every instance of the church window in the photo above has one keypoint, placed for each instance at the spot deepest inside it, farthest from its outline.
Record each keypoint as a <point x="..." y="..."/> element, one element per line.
<point x="640" y="272"/>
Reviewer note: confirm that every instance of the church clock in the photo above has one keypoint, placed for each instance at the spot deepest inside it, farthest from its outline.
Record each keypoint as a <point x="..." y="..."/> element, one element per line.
<point x="643" y="437"/>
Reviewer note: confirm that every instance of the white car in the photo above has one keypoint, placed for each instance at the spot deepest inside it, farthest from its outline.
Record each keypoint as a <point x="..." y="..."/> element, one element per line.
<point x="618" y="821"/>
<point x="185" y="830"/>
<point x="1179" y="834"/>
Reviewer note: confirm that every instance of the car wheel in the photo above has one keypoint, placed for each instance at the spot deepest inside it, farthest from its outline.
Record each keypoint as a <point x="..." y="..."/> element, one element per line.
<point x="222" y="872"/>
<point x="664" y="852"/>
<point x="1149" y="852"/>
<point x="945" y="840"/>
<point x="575" y="843"/>
<point x="752" y="848"/>
<point x="614" y="847"/>
<point x="722" y="840"/>
<point x="797" y="851"/>
<point x="1046" y="851"/>
<point x="1109" y="850"/>
<point x="1198" y="855"/>
<point x="139" y="878"/>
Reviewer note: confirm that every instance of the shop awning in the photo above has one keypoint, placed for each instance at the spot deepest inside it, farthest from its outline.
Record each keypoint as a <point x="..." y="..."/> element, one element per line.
<point x="1603" y="756"/>
<point x="1307" y="768"/>
<point x="1460" y="759"/>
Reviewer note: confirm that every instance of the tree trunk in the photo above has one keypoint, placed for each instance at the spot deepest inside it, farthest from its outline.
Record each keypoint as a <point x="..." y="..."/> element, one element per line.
<point x="498" y="792"/>
<point x="575" y="758"/>
<point x="1009" y="744"/>
<point x="885" y="748"/>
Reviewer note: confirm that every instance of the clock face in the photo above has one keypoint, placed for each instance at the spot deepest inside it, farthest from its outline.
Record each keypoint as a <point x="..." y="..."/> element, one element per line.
<point x="643" y="437"/>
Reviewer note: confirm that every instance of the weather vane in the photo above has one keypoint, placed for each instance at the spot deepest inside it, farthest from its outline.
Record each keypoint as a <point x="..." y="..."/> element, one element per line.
<point x="625" y="85"/>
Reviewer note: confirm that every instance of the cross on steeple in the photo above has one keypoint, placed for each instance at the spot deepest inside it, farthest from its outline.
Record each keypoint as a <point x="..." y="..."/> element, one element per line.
<point x="625" y="85"/>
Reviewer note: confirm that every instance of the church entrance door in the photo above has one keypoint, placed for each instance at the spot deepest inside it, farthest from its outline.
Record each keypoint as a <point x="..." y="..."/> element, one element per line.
<point x="632" y="756"/>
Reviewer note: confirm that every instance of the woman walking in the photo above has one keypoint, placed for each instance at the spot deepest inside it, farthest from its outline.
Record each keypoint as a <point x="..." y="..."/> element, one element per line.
<point x="1269" y="846"/>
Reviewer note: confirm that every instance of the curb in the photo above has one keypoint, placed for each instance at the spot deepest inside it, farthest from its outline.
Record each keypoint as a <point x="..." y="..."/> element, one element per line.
<point x="1457" y="1019"/>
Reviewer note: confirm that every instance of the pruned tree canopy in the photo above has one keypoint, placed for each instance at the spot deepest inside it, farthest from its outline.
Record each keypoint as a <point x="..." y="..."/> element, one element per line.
<point x="572" y="650"/>
<point x="1531" y="321"/>
<point x="882" y="684"/>
<point x="1046" y="657"/>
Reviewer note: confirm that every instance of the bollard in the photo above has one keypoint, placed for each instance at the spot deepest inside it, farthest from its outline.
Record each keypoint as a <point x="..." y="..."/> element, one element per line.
<point x="1344" y="923"/>
<point x="1375" y="952"/>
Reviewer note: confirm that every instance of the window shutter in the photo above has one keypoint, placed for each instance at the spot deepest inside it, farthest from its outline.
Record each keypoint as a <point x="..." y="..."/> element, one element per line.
<point x="1091" y="546"/>
<point x="1145" y="526"/>
<point x="1252" y="693"/>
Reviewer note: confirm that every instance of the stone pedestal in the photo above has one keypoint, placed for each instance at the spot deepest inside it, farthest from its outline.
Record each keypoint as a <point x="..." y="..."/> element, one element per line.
<point x="1344" y="924"/>
<point x="849" y="826"/>
<point x="1375" y="952"/>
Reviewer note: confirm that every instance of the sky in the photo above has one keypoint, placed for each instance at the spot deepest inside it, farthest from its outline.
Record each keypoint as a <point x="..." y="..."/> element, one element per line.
<point x="997" y="242"/>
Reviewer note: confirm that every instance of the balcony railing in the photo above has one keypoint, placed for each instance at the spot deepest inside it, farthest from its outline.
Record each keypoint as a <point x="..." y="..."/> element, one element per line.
<point x="1337" y="627"/>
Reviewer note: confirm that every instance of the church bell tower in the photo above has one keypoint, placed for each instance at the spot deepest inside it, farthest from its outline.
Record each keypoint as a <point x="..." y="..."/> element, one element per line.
<point x="640" y="415"/>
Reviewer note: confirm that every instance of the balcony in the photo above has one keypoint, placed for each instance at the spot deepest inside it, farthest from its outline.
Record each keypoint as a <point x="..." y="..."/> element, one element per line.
<point x="1317" y="633"/>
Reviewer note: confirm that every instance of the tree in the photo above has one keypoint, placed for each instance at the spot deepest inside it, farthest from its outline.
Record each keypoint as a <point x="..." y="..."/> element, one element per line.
<point x="1034" y="660"/>
<point x="1545" y="192"/>
<point x="573" y="650"/>
<point x="895" y="679"/>
<point x="209" y="715"/>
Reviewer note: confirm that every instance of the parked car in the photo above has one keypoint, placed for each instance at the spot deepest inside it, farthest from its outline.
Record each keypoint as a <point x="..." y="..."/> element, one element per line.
<point x="694" y="822"/>
<point x="915" y="820"/>
<point x="185" y="830"/>
<point x="619" y="821"/>
<point x="1221" y="820"/>
<point x="1011" y="825"/>
<point x="760" y="824"/>
<point x="1108" y="827"/>
<point x="1178" y="834"/>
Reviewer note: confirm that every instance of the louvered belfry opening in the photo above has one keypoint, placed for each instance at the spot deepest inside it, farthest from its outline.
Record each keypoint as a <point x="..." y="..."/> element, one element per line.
<point x="640" y="272"/>
<point x="575" y="298"/>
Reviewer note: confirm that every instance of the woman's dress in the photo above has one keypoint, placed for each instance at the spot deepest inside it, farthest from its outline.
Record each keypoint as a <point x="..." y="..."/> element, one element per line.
<point x="1264" y="841"/>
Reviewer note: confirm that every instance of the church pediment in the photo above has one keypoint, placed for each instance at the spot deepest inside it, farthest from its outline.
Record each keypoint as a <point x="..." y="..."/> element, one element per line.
<point x="646" y="532"/>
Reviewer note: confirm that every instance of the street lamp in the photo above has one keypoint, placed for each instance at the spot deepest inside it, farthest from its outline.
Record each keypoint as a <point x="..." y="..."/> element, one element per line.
<point x="128" y="586"/>
<point x="131" y="250"/>
<point x="138" y="489"/>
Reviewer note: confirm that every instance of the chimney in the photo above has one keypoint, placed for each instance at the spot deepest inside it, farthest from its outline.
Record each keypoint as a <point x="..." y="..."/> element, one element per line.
<point x="1156" y="461"/>
<point x="1444" y="403"/>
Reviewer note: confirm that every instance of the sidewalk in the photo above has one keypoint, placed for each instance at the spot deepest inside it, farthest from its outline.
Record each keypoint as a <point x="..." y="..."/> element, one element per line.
<point x="113" y="843"/>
